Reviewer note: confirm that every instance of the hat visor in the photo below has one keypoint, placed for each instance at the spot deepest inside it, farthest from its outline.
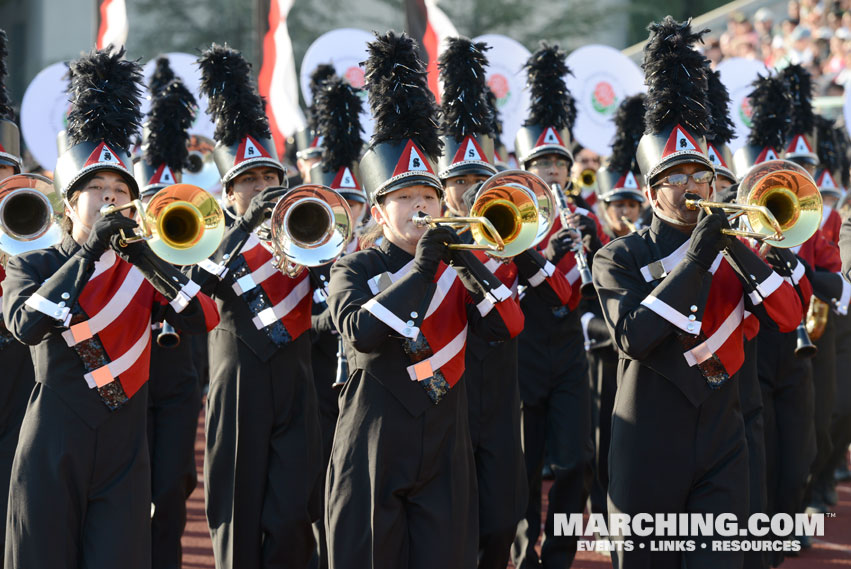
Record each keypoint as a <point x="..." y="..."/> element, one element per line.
<point x="688" y="158"/>
<point x="623" y="194"/>
<point x="409" y="181"/>
<point x="464" y="169"/>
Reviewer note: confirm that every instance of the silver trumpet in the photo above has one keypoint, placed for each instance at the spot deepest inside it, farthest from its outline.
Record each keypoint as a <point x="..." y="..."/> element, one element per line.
<point x="586" y="288"/>
<point x="31" y="213"/>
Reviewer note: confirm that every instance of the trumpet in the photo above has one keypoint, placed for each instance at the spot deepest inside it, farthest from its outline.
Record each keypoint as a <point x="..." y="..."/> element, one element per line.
<point x="587" y="179"/>
<point x="183" y="224"/>
<point x="632" y="226"/>
<point x="30" y="214"/>
<point x="504" y="219"/>
<point x="586" y="288"/>
<point x="310" y="226"/>
<point x="778" y="203"/>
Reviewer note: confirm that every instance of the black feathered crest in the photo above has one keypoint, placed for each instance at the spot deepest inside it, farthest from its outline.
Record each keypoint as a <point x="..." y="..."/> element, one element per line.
<point x="799" y="84"/>
<point x="843" y="149"/>
<point x="172" y="112"/>
<point x="338" y="108"/>
<point x="827" y="147"/>
<point x="234" y="103"/>
<point x="496" y="121"/>
<point x="322" y="73"/>
<point x="629" y="125"/>
<point x="675" y="75"/>
<point x="6" y="111"/>
<point x="464" y="107"/>
<point x="104" y="90"/>
<point x="770" y="118"/>
<point x="163" y="75"/>
<point x="551" y="103"/>
<point x="722" y="130"/>
<point x="399" y="98"/>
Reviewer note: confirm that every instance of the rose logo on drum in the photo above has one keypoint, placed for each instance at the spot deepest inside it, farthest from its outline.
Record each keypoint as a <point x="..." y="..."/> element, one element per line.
<point x="499" y="85"/>
<point x="603" y="98"/>
<point x="746" y="112"/>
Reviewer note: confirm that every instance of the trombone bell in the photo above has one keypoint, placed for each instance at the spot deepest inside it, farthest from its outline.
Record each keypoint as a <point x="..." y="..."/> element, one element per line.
<point x="30" y="214"/>
<point x="187" y="224"/>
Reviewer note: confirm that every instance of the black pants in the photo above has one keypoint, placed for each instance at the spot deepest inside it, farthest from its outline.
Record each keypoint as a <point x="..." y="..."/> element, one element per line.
<point x="750" y="396"/>
<point x="401" y="490"/>
<point x="603" y="372"/>
<point x="174" y="401"/>
<point x="840" y="429"/>
<point x="556" y="409"/>
<point x="80" y="497"/>
<point x="15" y="390"/>
<point x="494" y="412"/>
<point x="263" y="455"/>
<point x="668" y="456"/>
<point x="824" y="391"/>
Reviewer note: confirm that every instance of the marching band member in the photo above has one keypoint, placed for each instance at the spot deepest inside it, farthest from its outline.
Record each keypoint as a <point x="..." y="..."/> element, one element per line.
<point x="174" y="390"/>
<point x="490" y="372"/>
<point x="401" y="483"/>
<point x="15" y="359"/>
<point x="669" y="296"/>
<point x="85" y="307"/>
<point x="620" y="202"/>
<point x="308" y="140"/>
<point x="337" y="107"/>
<point x="263" y="461"/>
<point x="556" y="400"/>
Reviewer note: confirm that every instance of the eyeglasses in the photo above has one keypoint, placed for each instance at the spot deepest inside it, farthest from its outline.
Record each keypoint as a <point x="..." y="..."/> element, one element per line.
<point x="549" y="162"/>
<point x="681" y="180"/>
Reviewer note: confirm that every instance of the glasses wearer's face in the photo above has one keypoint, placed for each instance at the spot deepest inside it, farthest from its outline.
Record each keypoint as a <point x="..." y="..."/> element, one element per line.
<point x="680" y="180"/>
<point x="544" y="163"/>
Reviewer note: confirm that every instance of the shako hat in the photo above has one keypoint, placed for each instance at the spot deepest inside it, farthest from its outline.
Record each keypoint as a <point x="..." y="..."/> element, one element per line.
<point x="620" y="178"/>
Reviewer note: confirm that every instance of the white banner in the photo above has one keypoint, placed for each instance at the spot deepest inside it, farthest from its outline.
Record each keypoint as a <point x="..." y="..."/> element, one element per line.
<point x="44" y="109"/>
<point x="738" y="75"/>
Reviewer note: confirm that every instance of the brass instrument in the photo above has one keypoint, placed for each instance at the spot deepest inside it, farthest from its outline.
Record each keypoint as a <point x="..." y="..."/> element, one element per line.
<point x="778" y="202"/>
<point x="545" y="199"/>
<point x="804" y="347"/>
<point x="586" y="288"/>
<point x="633" y="227"/>
<point x="816" y="319"/>
<point x="183" y="224"/>
<point x="31" y="213"/>
<point x="587" y="180"/>
<point x="310" y="226"/>
<point x="200" y="169"/>
<point x="168" y="337"/>
<point x="504" y="219"/>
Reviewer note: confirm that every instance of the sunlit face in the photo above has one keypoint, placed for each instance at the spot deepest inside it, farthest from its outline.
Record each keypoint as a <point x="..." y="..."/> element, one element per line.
<point x="829" y="200"/>
<point x="617" y="209"/>
<point x="552" y="168"/>
<point x="722" y="183"/>
<point x="586" y="159"/>
<point x="6" y="171"/>
<point x="670" y="200"/>
<point x="305" y="164"/>
<point x="455" y="188"/>
<point x="396" y="213"/>
<point x="250" y="183"/>
<point x="357" y="209"/>
<point x="103" y="188"/>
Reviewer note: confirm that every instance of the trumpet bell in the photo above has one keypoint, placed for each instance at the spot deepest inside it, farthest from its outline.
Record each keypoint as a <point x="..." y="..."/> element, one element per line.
<point x="31" y="211"/>
<point x="792" y="196"/>
<point x="201" y="169"/>
<point x="187" y="224"/>
<point x="512" y="210"/>
<point x="311" y="225"/>
<point x="544" y="198"/>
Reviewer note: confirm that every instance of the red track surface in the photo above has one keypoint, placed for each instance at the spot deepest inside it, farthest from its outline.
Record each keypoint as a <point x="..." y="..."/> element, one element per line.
<point x="832" y="550"/>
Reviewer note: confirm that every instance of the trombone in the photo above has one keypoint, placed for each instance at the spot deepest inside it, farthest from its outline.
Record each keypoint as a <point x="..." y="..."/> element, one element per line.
<point x="31" y="213"/>
<point x="183" y="224"/>
<point x="504" y="220"/>
<point x="310" y="226"/>
<point x="777" y="202"/>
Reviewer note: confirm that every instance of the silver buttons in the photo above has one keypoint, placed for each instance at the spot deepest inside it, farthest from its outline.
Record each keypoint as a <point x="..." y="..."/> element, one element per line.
<point x="409" y="323"/>
<point x="690" y="327"/>
<point x="65" y="296"/>
<point x="693" y="308"/>
<point x="61" y="304"/>
<point x="692" y="317"/>
<point x="226" y="256"/>
<point x="413" y="314"/>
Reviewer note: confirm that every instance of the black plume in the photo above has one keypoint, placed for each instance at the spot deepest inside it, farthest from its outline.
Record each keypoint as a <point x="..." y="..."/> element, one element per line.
<point x="172" y="112"/>
<point x="843" y="147"/>
<point x="827" y="147"/>
<point x="800" y="87"/>
<point x="322" y="73"/>
<point x="496" y="123"/>
<point x="162" y="76"/>
<point x="771" y="108"/>
<point x="234" y="103"/>
<point x="551" y="104"/>
<point x="675" y="75"/>
<point x="722" y="130"/>
<point x="338" y="109"/>
<point x="6" y="111"/>
<point x="629" y="122"/>
<point x="399" y="97"/>
<point x="464" y="107"/>
<point x="105" y="90"/>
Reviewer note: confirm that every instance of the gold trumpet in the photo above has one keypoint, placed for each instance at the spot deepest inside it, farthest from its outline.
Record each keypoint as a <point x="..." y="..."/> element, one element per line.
<point x="587" y="179"/>
<point x="504" y="219"/>
<point x="310" y="226"/>
<point x="778" y="202"/>
<point x="30" y="214"/>
<point x="633" y="227"/>
<point x="183" y="224"/>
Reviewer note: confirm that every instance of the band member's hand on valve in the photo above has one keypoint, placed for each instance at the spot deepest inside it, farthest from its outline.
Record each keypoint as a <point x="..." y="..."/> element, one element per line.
<point x="103" y="231"/>
<point x="260" y="206"/>
<point x="432" y="248"/>
<point x="560" y="244"/>
<point x="707" y="240"/>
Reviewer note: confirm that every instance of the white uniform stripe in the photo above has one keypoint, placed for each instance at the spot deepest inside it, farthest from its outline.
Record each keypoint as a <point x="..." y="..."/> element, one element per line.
<point x="124" y="362"/>
<point x="572" y="275"/>
<point x="444" y="283"/>
<point x="444" y="354"/>
<point x="247" y="282"/>
<point x="214" y="268"/>
<point x="542" y="274"/>
<point x="184" y="296"/>
<point x="705" y="349"/>
<point x="485" y="306"/>
<point x="383" y="313"/>
<point x="765" y="288"/>
<point x="374" y="281"/>
<point x="113" y="309"/>
<point x="272" y="314"/>
<point x="105" y="262"/>
<point x="797" y="273"/>
<point x="667" y="312"/>
<point x="48" y="307"/>
<point x="842" y="306"/>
